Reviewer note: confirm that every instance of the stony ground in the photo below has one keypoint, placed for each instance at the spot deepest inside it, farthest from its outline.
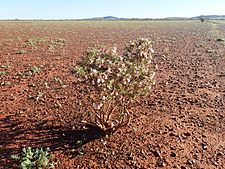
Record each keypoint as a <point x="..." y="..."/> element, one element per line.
<point x="180" y="125"/>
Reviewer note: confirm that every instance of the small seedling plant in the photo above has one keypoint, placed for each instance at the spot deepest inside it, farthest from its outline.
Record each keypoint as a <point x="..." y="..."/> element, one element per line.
<point x="34" y="158"/>
<point x="114" y="82"/>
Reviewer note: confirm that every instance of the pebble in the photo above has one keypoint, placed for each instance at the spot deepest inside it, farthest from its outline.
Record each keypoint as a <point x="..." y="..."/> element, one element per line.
<point x="157" y="153"/>
<point x="187" y="134"/>
<point x="220" y="154"/>
<point x="173" y="154"/>
<point x="130" y="158"/>
<point x="172" y="148"/>
<point x="173" y="134"/>
<point x="204" y="136"/>
<point x="220" y="40"/>
<point x="190" y="162"/>
<point x="12" y="98"/>
<point x="204" y="146"/>
<point x="161" y="162"/>
<point x="196" y="156"/>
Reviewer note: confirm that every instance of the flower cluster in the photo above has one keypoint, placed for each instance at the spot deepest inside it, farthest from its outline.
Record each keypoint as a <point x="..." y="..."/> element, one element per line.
<point x="118" y="79"/>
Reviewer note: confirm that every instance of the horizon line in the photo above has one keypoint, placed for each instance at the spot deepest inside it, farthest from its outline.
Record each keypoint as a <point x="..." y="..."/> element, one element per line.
<point x="117" y="18"/>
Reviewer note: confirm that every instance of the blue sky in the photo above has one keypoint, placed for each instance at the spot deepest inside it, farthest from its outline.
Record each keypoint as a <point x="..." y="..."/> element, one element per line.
<point x="77" y="9"/>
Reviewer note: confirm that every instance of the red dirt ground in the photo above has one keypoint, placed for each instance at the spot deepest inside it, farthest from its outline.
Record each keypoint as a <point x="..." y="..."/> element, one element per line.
<point x="180" y="125"/>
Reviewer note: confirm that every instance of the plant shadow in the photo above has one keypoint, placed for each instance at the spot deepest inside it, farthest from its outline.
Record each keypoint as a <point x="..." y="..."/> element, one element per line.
<point x="15" y="135"/>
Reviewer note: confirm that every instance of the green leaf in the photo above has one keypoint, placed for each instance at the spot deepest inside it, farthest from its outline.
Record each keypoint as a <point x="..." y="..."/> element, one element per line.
<point x="26" y="163"/>
<point x="15" y="157"/>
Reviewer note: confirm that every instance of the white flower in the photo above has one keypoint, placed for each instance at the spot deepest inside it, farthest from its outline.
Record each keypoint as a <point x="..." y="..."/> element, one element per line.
<point x="121" y="58"/>
<point x="105" y="77"/>
<point x="114" y="49"/>
<point x="152" y="50"/>
<point x="152" y="76"/>
<point x="129" y="79"/>
<point x="102" y="80"/>
<point x="103" y="98"/>
<point x="94" y="71"/>
<point x="96" y="106"/>
<point x="98" y="80"/>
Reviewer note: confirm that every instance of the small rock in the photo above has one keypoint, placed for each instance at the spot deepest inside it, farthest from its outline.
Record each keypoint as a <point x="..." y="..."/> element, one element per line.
<point x="220" y="154"/>
<point x="173" y="134"/>
<point x="157" y="153"/>
<point x="161" y="162"/>
<point x="172" y="148"/>
<point x="130" y="158"/>
<point x="173" y="154"/>
<point x="204" y="136"/>
<point x="81" y="151"/>
<point x="209" y="51"/>
<point x="190" y="162"/>
<point x="187" y="134"/>
<point x="220" y="40"/>
<point x="204" y="146"/>
<point x="196" y="156"/>
<point x="215" y="163"/>
<point x="11" y="98"/>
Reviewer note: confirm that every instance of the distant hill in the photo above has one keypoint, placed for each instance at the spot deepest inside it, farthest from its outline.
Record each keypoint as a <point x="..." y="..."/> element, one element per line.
<point x="105" y="18"/>
<point x="176" y="18"/>
<point x="206" y="17"/>
<point x="210" y="17"/>
<point x="113" y="18"/>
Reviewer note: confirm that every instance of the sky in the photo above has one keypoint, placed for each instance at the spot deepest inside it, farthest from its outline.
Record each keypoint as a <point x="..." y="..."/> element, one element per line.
<point x="79" y="9"/>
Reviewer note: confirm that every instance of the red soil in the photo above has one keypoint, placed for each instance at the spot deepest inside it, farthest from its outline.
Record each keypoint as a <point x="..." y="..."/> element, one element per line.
<point x="180" y="125"/>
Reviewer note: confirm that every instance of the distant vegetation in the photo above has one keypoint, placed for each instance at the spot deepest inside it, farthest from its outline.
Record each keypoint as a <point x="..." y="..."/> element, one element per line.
<point x="113" y="18"/>
<point x="205" y="17"/>
<point x="210" y="17"/>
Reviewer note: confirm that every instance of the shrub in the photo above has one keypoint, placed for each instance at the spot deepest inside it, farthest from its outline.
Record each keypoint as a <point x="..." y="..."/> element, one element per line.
<point x="114" y="82"/>
<point x="3" y="73"/>
<point x="202" y="20"/>
<point x="34" y="158"/>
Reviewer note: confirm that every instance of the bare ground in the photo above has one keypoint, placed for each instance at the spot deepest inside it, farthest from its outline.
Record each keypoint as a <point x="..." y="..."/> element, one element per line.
<point x="180" y="125"/>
